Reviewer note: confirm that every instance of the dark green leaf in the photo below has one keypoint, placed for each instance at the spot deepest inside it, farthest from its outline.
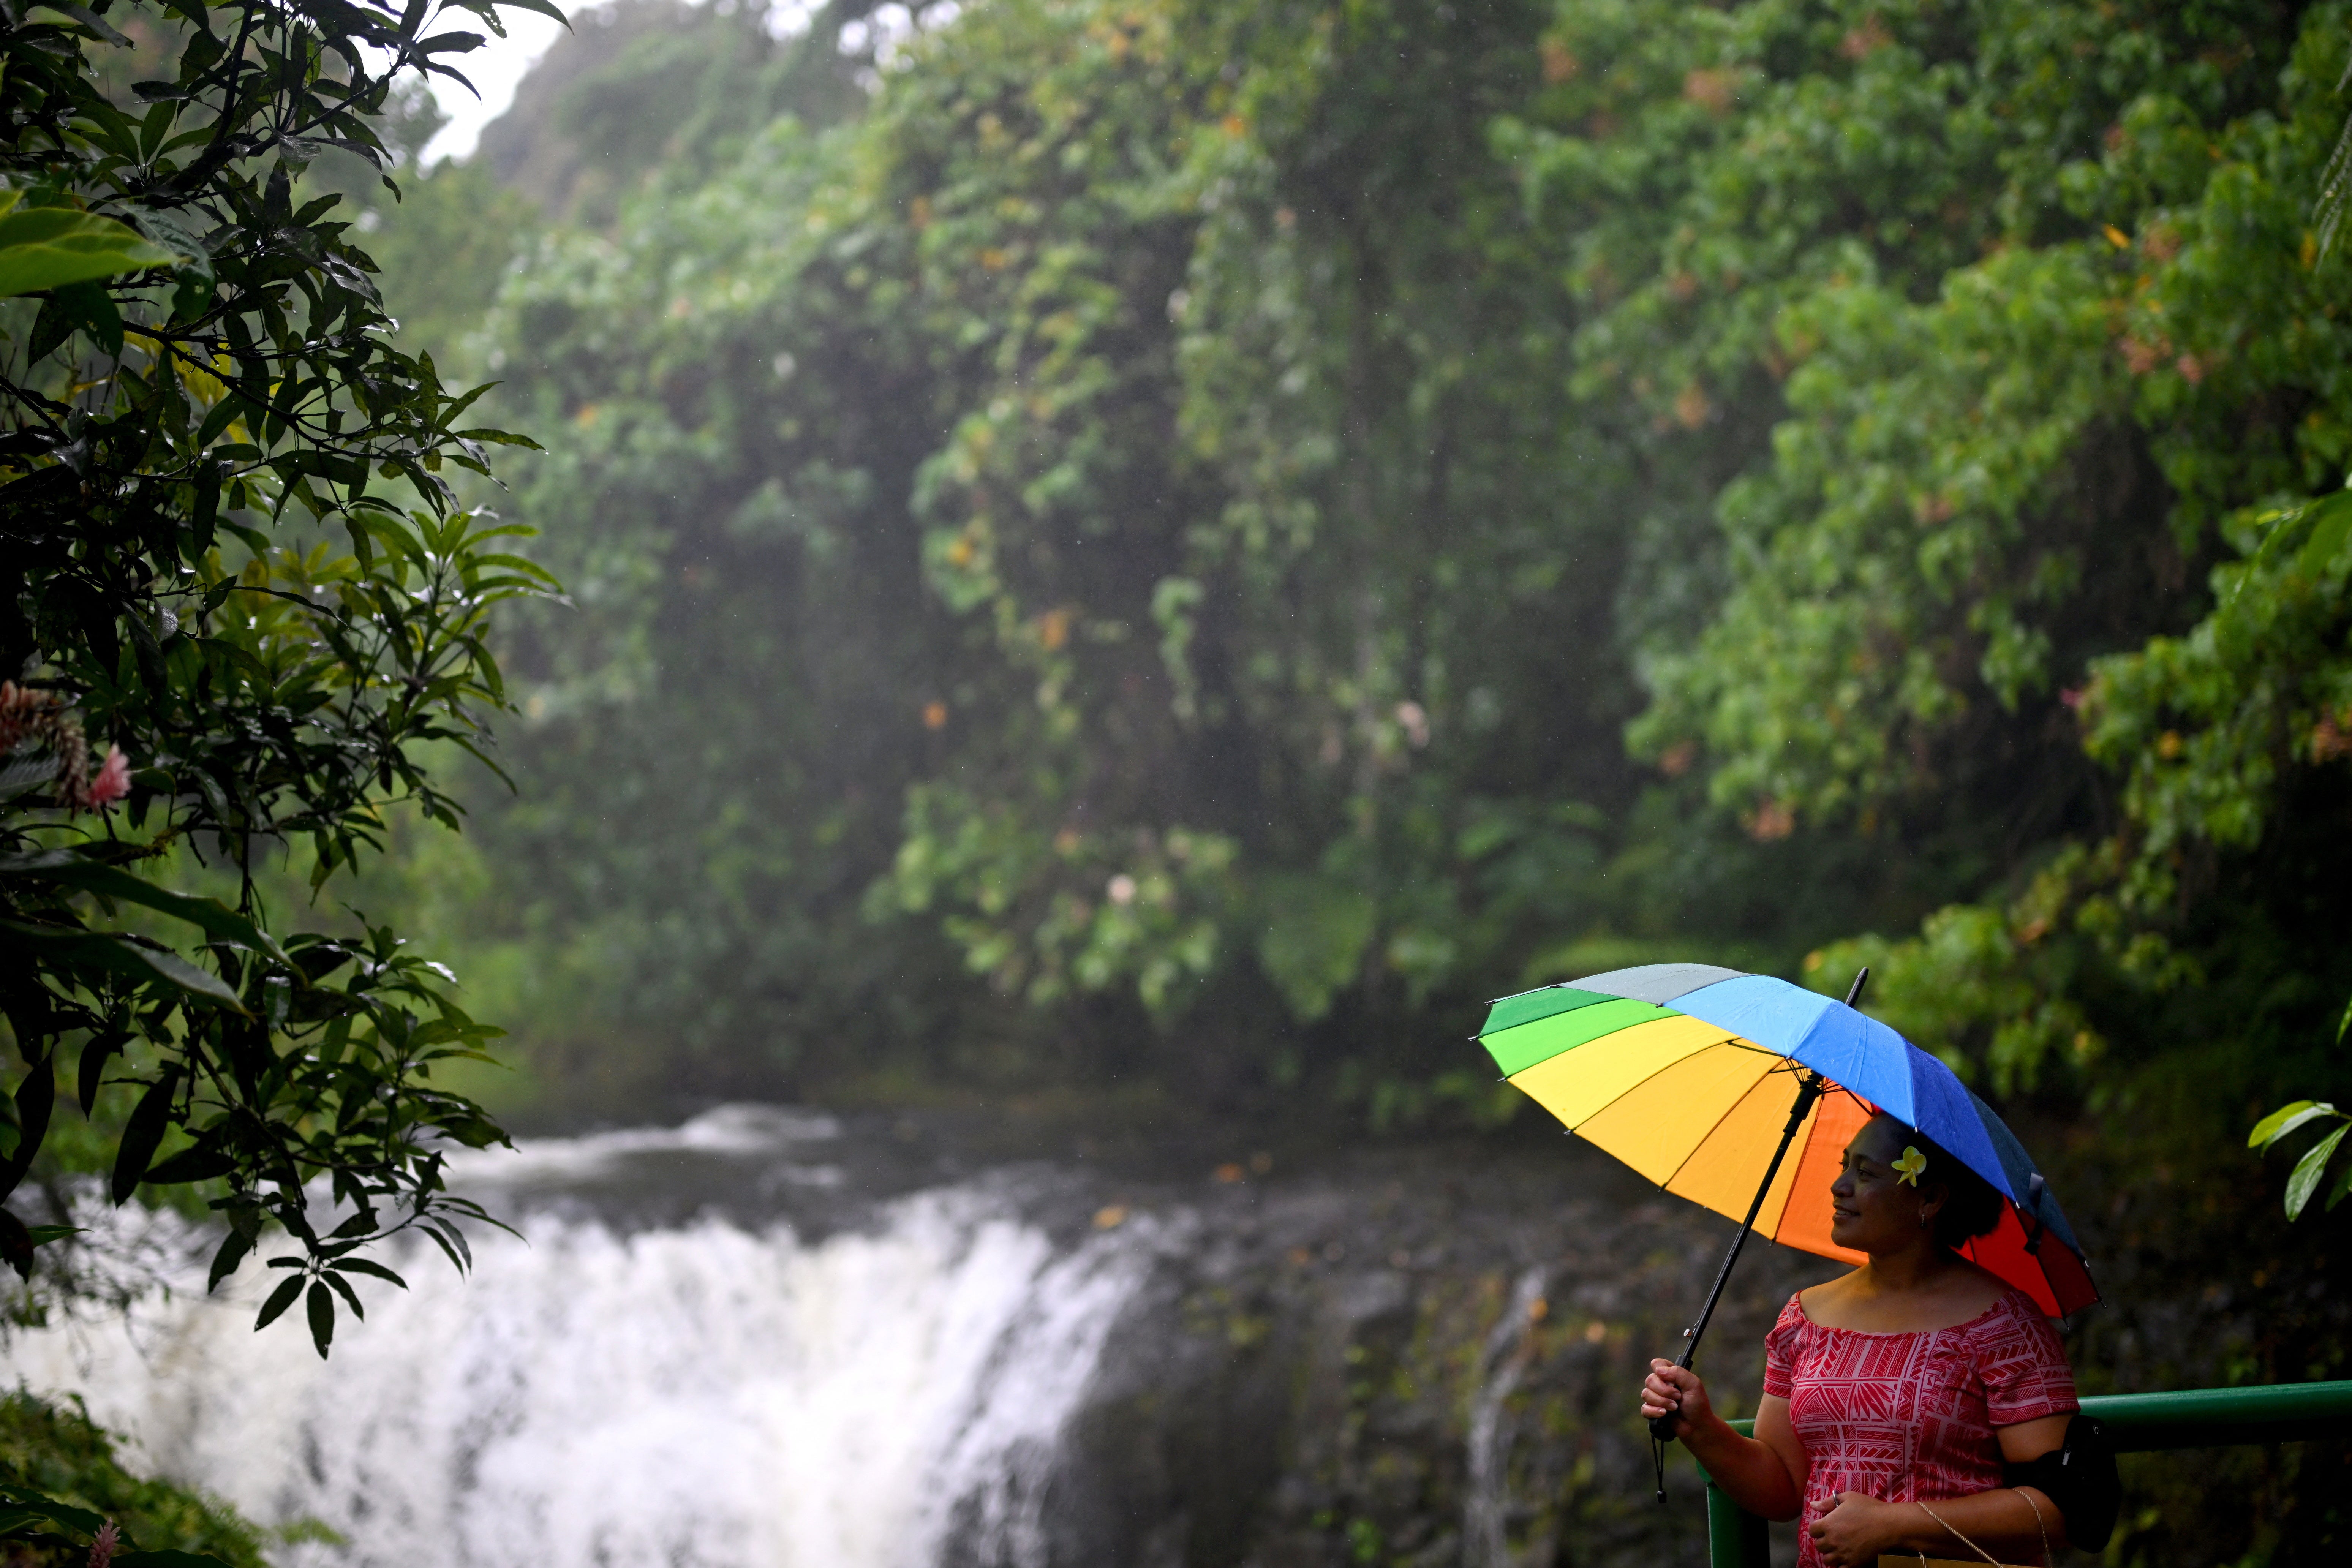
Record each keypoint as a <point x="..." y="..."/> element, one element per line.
<point x="142" y="1133"/>
<point x="279" y="1299"/>
<point x="442" y="1241"/>
<point x="91" y="1071"/>
<point x="365" y="1266"/>
<point x="235" y="1249"/>
<point x="322" y="1318"/>
<point x="2331" y="523"/>
<point x="541" y="7"/>
<point x="34" y="1099"/>
<point x="90" y="20"/>
<point x="79" y="1520"/>
<point x="114" y="953"/>
<point x="215" y="918"/>
<point x="342" y="1288"/>
<point x="89" y="308"/>
<point x="16" y="1245"/>
<point x="198" y="1162"/>
<point x="53" y="324"/>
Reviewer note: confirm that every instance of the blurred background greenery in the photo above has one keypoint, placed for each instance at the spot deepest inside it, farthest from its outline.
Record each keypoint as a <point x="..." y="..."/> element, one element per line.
<point x="1190" y="544"/>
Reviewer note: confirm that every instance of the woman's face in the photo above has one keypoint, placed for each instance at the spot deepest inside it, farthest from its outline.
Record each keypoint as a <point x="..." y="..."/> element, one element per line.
<point x="1872" y="1208"/>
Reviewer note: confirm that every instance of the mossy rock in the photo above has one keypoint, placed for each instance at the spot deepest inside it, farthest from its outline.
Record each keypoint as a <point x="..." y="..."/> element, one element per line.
<point x="57" y="1451"/>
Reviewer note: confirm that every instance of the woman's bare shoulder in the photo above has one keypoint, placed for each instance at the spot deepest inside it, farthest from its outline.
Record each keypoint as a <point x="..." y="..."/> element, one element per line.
<point x="1826" y="1297"/>
<point x="1979" y="1287"/>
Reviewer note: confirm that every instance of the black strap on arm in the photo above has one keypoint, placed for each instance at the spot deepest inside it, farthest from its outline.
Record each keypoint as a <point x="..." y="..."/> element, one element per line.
<point x="2079" y="1476"/>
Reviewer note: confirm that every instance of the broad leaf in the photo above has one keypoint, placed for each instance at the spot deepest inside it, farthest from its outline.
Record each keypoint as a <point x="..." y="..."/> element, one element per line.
<point x="279" y="1299"/>
<point x="215" y="918"/>
<point x="234" y="1248"/>
<point x="76" y="1519"/>
<point x="322" y="1318"/>
<point x="142" y="1133"/>
<point x="116" y="952"/>
<point x="2286" y="1120"/>
<point x="50" y="247"/>
<point x="2309" y="1169"/>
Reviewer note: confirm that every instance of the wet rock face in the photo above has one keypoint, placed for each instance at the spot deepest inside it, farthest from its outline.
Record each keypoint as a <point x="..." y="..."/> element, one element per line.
<point x="1407" y="1365"/>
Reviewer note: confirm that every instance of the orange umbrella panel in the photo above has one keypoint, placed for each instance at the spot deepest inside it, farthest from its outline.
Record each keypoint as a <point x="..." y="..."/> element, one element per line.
<point x="1698" y="1112"/>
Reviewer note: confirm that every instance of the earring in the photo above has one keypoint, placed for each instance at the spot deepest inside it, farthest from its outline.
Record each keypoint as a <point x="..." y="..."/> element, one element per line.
<point x="1924" y="1218"/>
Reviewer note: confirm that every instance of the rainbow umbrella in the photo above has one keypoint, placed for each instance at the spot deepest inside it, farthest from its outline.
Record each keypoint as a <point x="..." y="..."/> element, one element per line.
<point x="1706" y="1080"/>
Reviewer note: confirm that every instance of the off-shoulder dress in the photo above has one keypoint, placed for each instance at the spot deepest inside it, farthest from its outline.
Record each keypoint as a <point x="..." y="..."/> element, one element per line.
<point x="1911" y="1417"/>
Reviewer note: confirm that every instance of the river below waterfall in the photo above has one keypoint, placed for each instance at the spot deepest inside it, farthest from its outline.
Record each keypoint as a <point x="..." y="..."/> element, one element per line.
<point x="770" y="1339"/>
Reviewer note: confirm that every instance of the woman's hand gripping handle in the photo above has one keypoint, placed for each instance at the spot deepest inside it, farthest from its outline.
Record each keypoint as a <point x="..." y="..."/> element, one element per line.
<point x="1761" y="1473"/>
<point x="1674" y="1399"/>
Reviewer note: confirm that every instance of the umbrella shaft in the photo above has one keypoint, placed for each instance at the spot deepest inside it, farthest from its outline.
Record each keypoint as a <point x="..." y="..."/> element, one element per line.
<point x="1809" y="1090"/>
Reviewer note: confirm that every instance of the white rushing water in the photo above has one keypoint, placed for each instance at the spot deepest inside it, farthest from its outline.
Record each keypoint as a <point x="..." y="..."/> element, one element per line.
<point x="708" y="1393"/>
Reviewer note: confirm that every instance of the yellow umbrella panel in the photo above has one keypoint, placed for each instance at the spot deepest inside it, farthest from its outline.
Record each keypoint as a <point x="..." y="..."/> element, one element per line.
<point x="1690" y="1105"/>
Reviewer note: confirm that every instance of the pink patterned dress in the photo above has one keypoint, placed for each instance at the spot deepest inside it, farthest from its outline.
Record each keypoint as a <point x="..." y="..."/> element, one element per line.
<point x="1910" y="1417"/>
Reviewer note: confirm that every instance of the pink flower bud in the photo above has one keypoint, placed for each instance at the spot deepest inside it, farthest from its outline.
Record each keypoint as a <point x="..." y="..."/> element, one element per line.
<point x="113" y="780"/>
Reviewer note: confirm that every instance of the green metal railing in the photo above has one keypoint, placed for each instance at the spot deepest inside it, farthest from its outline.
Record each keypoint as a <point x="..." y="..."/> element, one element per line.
<point x="2137" y="1422"/>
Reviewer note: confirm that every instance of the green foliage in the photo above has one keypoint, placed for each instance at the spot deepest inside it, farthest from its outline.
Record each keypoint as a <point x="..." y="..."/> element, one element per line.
<point x="668" y="88"/>
<point x="2202" y="726"/>
<point x="1201" y="703"/>
<point x="182" y="440"/>
<point x="51" y="247"/>
<point x="1311" y="436"/>
<point x="2310" y="1171"/>
<point x="1170" y="510"/>
<point x="1985" y="988"/>
<point x="60" y="1482"/>
<point x="1941" y="534"/>
<point x="442" y="238"/>
<point x="1970" y="566"/>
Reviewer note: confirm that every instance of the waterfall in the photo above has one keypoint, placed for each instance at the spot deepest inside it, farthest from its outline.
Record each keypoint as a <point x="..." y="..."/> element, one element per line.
<point x="1502" y="1362"/>
<point x="711" y="1388"/>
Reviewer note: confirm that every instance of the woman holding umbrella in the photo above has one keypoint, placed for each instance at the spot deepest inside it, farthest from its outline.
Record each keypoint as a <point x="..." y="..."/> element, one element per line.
<point x="1896" y="1395"/>
<point x="1919" y="1404"/>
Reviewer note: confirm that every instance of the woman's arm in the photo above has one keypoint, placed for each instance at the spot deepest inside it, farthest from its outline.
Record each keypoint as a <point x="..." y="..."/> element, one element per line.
<point x="1857" y="1527"/>
<point x="1763" y="1476"/>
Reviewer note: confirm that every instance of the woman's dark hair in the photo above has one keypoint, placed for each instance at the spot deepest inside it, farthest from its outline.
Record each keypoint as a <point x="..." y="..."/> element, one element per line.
<point x="1972" y="1207"/>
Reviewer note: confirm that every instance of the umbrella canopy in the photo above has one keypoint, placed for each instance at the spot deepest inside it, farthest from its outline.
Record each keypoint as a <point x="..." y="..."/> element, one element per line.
<point x="1688" y="1073"/>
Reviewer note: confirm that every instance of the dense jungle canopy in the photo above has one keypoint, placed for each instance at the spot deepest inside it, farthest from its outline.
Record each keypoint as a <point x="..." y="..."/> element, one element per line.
<point x="1190" y="543"/>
